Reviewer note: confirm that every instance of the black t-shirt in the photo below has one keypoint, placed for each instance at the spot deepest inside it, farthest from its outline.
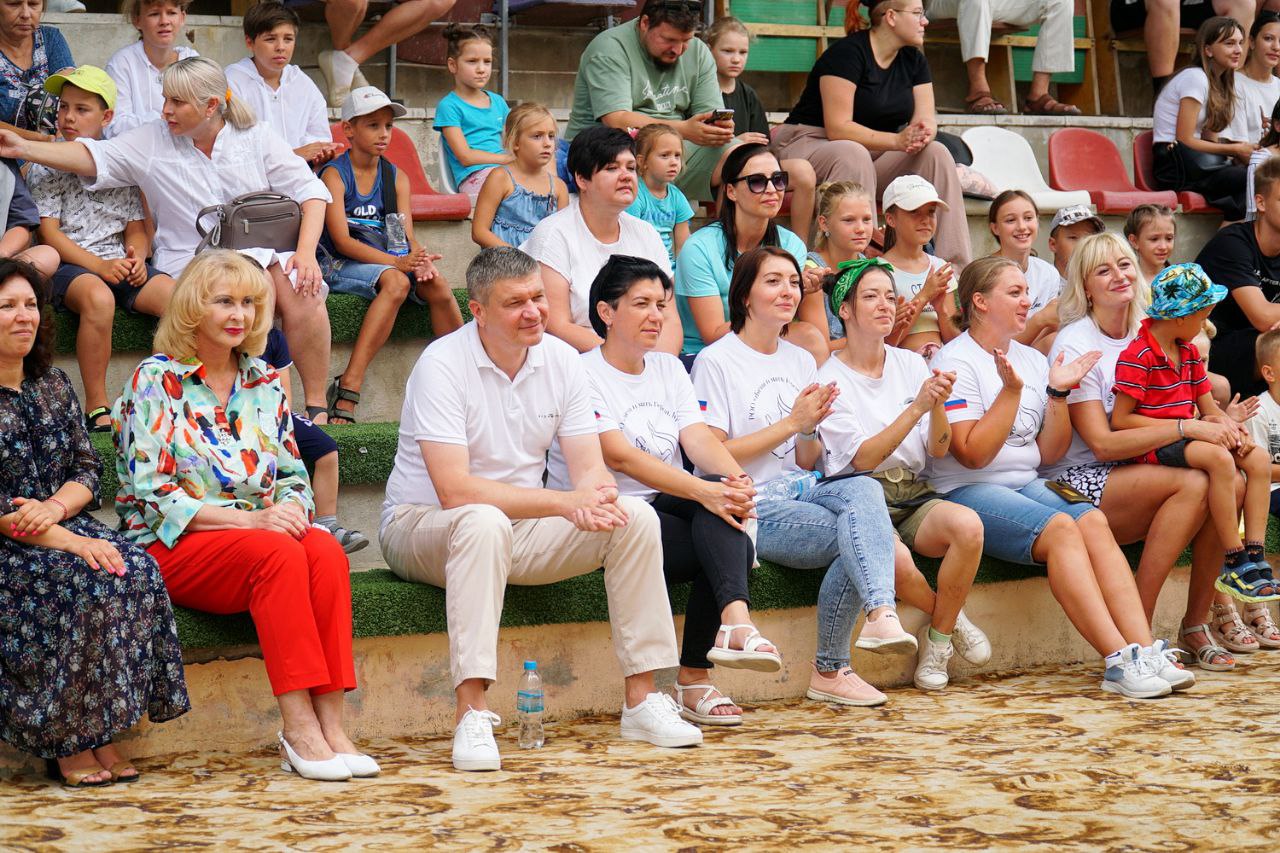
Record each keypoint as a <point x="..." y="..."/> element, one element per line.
<point x="883" y="99"/>
<point x="748" y="112"/>
<point x="1234" y="260"/>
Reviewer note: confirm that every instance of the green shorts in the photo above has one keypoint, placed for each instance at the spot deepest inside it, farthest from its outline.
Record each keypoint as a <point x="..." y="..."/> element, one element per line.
<point x="909" y="500"/>
<point x="699" y="162"/>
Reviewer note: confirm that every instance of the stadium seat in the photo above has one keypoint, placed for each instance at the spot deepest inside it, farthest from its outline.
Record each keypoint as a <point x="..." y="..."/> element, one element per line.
<point x="446" y="176"/>
<point x="1144" y="176"/>
<point x="1085" y="160"/>
<point x="427" y="204"/>
<point x="1006" y="159"/>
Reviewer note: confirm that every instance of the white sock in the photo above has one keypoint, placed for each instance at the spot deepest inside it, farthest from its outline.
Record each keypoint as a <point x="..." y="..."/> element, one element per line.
<point x="344" y="64"/>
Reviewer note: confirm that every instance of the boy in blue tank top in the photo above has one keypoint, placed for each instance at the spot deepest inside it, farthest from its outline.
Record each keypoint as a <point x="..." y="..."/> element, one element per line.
<point x="365" y="188"/>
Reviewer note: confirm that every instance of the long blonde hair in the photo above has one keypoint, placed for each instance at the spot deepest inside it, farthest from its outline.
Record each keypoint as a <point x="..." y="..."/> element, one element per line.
<point x="1090" y="253"/>
<point x="176" y="333"/>
<point x="196" y="80"/>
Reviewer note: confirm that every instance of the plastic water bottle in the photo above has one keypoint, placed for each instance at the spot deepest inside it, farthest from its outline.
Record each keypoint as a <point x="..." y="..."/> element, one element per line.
<point x="397" y="237"/>
<point x="787" y="487"/>
<point x="529" y="707"/>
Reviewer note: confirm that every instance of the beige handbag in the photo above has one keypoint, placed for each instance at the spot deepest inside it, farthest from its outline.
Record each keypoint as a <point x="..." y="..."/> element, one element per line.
<point x="257" y="220"/>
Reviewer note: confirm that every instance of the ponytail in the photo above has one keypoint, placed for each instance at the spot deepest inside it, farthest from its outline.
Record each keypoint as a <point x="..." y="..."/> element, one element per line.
<point x="197" y="79"/>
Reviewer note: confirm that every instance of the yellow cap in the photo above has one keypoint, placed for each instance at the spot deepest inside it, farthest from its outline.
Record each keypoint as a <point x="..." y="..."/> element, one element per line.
<point x="91" y="78"/>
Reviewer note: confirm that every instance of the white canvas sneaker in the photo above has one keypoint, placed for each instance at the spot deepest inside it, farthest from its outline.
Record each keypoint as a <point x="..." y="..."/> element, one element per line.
<point x="473" y="745"/>
<point x="969" y="641"/>
<point x="657" y="720"/>
<point x="931" y="670"/>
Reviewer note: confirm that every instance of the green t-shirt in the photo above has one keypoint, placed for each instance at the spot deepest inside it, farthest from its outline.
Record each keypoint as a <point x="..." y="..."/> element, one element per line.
<point x="617" y="73"/>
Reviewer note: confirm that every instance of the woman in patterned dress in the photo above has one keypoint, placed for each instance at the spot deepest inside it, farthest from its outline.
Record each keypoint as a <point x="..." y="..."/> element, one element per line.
<point x="212" y="487"/>
<point x="87" y="640"/>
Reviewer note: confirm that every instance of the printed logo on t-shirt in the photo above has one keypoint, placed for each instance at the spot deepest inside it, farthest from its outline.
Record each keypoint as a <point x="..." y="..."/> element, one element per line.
<point x="652" y="428"/>
<point x="772" y="402"/>
<point x="664" y="99"/>
<point x="1026" y="426"/>
<point x="955" y="405"/>
<point x="1273" y="442"/>
<point x="364" y="211"/>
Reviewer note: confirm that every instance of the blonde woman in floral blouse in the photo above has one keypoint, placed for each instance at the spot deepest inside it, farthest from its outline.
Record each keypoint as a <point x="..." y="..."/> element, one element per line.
<point x="87" y="641"/>
<point x="212" y="486"/>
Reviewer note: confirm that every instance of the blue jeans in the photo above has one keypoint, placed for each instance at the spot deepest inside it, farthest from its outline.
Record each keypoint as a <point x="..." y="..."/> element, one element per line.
<point x="843" y="527"/>
<point x="1012" y="519"/>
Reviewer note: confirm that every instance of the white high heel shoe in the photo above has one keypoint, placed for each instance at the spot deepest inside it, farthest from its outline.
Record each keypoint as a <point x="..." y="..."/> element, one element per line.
<point x="330" y="770"/>
<point x="360" y="765"/>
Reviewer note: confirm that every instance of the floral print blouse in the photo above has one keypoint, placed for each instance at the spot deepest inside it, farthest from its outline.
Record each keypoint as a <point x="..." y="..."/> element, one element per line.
<point x="42" y="445"/>
<point x="178" y="449"/>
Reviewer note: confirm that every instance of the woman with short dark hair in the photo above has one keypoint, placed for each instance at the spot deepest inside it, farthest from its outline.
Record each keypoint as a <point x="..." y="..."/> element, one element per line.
<point x="88" y="642"/>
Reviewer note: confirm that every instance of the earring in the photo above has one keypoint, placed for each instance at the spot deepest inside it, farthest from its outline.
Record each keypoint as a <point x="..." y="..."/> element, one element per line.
<point x="826" y="234"/>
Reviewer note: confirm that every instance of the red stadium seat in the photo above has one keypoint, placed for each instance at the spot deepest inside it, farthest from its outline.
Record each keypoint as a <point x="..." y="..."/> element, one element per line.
<point x="1084" y="160"/>
<point x="1144" y="176"/>
<point x="427" y="204"/>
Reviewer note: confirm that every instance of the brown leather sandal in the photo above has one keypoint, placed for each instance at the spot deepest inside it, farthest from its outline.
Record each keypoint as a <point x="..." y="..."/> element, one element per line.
<point x="1045" y="105"/>
<point x="983" y="104"/>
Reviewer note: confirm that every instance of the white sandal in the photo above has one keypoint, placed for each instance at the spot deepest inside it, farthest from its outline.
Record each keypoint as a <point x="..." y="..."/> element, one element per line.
<point x="749" y="656"/>
<point x="701" y="710"/>
<point x="1230" y="630"/>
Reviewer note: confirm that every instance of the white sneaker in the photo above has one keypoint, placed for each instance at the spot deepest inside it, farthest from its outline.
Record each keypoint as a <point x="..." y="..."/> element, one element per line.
<point x="657" y="720"/>
<point x="1130" y="672"/>
<point x="931" y="670"/>
<point x="473" y="745"/>
<point x="1163" y="662"/>
<point x="970" y="642"/>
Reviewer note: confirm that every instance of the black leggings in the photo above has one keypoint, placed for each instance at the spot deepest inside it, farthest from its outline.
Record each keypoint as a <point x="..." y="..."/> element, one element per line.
<point x="1223" y="188"/>
<point x="699" y="546"/>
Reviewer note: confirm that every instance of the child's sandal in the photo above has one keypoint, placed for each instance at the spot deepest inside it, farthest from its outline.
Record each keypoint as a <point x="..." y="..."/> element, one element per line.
<point x="1230" y="631"/>
<point x="1245" y="583"/>
<point x="1262" y="626"/>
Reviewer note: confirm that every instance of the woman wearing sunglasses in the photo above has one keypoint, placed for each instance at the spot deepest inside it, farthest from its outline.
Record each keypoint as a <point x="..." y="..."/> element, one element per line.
<point x="867" y="115"/>
<point x="752" y="186"/>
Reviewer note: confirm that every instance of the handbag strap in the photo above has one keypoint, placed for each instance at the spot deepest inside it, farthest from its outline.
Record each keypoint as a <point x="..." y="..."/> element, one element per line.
<point x="213" y="235"/>
<point x="387" y="173"/>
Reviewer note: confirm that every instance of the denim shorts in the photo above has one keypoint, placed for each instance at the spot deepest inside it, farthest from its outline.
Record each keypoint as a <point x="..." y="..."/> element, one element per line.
<point x="344" y="275"/>
<point x="1012" y="519"/>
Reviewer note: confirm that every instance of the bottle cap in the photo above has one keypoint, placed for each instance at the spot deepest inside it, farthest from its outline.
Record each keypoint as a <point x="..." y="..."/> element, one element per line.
<point x="531" y="664"/>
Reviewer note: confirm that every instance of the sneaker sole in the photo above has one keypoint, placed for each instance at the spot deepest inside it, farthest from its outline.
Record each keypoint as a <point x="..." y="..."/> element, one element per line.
<point x="930" y="688"/>
<point x="1242" y="596"/>
<point x="356" y="546"/>
<point x="819" y="696"/>
<point x="666" y="742"/>
<point x="965" y="657"/>
<point x="906" y="644"/>
<point x="473" y="764"/>
<point x="1185" y="685"/>
<point x="1112" y="687"/>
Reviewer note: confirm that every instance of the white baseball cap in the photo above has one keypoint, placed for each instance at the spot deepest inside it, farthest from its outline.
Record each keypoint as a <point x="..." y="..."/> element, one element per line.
<point x="1073" y="213"/>
<point x="910" y="192"/>
<point x="369" y="99"/>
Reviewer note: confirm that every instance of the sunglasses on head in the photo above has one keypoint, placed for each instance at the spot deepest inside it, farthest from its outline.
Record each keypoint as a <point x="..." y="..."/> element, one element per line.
<point x="757" y="183"/>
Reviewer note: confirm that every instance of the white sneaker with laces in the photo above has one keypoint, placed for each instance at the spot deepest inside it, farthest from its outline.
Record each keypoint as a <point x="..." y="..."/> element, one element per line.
<point x="1163" y="659"/>
<point x="657" y="720"/>
<point x="931" y="670"/>
<point x="1131" y="673"/>
<point x="970" y="641"/>
<point x="473" y="745"/>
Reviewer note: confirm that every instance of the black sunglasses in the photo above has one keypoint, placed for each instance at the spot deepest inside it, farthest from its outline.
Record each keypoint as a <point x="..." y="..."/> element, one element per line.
<point x="757" y="183"/>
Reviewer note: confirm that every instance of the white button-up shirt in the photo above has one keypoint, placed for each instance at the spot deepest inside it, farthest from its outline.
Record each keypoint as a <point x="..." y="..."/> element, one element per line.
<point x="296" y="110"/>
<point x="139" y="96"/>
<point x="179" y="181"/>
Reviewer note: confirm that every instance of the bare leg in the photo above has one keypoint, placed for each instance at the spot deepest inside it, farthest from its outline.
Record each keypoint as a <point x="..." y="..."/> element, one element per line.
<point x="1074" y="585"/>
<point x="469" y="694"/>
<point x="954" y="533"/>
<point x="1039" y="85"/>
<point x="441" y="305"/>
<point x="1257" y="494"/>
<point x="977" y="71"/>
<point x="637" y="687"/>
<point x="301" y="728"/>
<point x="404" y="20"/>
<point x="1218" y="463"/>
<point x="1115" y="580"/>
<point x="90" y="297"/>
<point x="908" y="584"/>
<point x="154" y="296"/>
<point x="344" y="17"/>
<point x="1160" y="32"/>
<point x="328" y="710"/>
<point x="324" y="484"/>
<point x="393" y="288"/>
<point x="306" y="327"/>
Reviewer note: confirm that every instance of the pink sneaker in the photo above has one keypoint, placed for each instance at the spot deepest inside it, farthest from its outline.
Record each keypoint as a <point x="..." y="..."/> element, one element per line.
<point x="843" y="687"/>
<point x="886" y="636"/>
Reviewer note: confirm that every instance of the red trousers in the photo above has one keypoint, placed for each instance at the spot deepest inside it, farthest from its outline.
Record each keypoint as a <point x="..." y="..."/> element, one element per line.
<point x="297" y="591"/>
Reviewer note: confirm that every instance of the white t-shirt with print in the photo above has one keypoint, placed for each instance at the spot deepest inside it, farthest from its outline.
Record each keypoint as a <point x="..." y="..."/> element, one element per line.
<point x="746" y="391"/>
<point x="94" y="221"/>
<point x="976" y="388"/>
<point x="1073" y="341"/>
<point x="1188" y="83"/>
<point x="1043" y="284"/>
<point x="457" y="395"/>
<point x="908" y="284"/>
<point x="1265" y="428"/>
<point x="651" y="408"/>
<point x="867" y="406"/>
<point x="563" y="242"/>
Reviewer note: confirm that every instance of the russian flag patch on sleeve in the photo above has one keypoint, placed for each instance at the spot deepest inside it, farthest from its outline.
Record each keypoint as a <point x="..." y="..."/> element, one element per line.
<point x="702" y="405"/>
<point x="955" y="405"/>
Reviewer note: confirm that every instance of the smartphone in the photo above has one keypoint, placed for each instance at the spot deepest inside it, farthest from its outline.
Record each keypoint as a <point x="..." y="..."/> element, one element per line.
<point x="1067" y="493"/>
<point x="718" y="116"/>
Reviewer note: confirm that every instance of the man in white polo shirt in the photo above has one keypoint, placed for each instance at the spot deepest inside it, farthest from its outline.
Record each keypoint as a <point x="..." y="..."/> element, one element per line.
<point x="466" y="510"/>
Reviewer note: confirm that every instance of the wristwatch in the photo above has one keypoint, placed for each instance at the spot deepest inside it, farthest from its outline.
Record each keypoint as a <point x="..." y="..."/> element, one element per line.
<point x="1054" y="392"/>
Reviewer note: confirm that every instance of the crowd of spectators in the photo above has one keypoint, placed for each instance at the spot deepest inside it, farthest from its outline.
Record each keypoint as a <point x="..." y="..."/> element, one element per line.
<point x="670" y="403"/>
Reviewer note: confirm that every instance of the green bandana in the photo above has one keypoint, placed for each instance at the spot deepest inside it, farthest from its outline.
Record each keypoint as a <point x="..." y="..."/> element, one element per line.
<point x="850" y="272"/>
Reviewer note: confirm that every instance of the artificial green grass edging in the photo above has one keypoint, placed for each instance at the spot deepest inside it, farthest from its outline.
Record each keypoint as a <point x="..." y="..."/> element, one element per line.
<point x="133" y="332"/>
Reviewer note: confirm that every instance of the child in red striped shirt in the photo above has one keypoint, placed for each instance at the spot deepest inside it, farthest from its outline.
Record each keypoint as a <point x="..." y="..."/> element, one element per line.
<point x="1160" y="377"/>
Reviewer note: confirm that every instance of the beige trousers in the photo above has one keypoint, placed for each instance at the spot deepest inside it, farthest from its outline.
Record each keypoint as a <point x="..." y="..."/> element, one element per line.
<point x="1055" y="44"/>
<point x="846" y="160"/>
<point x="474" y="551"/>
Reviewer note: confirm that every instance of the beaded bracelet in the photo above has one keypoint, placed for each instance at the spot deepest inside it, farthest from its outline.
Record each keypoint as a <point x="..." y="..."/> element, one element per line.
<point x="65" y="512"/>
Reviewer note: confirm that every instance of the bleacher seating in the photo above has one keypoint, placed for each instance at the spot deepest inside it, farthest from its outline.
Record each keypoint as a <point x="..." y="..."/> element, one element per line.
<point x="1081" y="159"/>
<point x="1006" y="159"/>
<point x="1145" y="177"/>
<point x="427" y="204"/>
